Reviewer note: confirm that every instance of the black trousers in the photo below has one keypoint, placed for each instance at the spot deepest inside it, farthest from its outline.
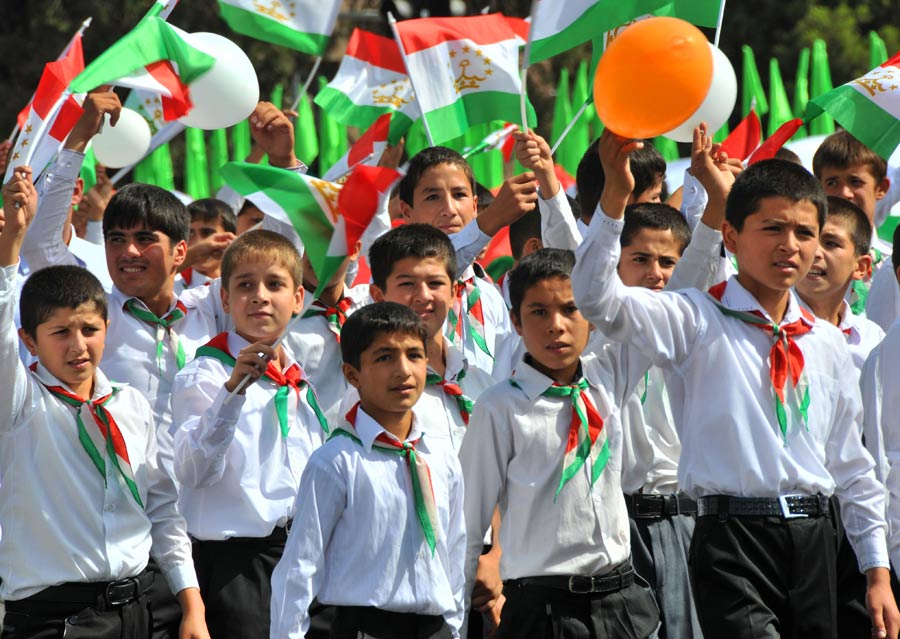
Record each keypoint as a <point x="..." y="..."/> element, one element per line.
<point x="235" y="578"/>
<point x="765" y="577"/>
<point x="359" y="622"/>
<point x="533" y="612"/>
<point x="69" y="611"/>
<point x="165" y="606"/>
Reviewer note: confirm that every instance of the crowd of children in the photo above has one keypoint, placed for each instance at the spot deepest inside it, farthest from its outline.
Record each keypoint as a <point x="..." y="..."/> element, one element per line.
<point x="671" y="418"/>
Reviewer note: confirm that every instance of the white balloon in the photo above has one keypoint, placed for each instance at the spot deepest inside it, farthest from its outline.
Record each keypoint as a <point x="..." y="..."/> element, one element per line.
<point x="718" y="103"/>
<point x="124" y="144"/>
<point x="228" y="92"/>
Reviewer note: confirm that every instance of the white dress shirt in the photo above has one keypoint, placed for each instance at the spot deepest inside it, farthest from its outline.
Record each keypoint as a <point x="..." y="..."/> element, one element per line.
<point x="318" y="350"/>
<point x="512" y="456"/>
<point x="239" y="475"/>
<point x="883" y="303"/>
<point x="356" y="540"/>
<point x="60" y="524"/>
<point x="722" y="399"/>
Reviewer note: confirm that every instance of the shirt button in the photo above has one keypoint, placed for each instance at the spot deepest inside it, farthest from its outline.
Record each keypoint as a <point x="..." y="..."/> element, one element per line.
<point x="110" y="508"/>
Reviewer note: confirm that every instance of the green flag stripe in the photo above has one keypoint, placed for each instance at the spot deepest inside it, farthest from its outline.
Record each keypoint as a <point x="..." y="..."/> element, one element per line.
<point x="872" y="125"/>
<point x="453" y="120"/>
<point x="256" y="26"/>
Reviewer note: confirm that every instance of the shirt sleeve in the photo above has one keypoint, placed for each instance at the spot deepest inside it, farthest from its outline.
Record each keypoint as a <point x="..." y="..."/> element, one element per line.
<point x="94" y="232"/>
<point x="559" y="228"/>
<point x="12" y="395"/>
<point x="665" y="327"/>
<point x="207" y="425"/>
<point x="298" y="576"/>
<point x="468" y="244"/>
<point x="456" y="545"/>
<point x="883" y="303"/>
<point x="43" y="244"/>
<point x="380" y="224"/>
<point x="699" y="265"/>
<point x="874" y="418"/>
<point x="693" y="200"/>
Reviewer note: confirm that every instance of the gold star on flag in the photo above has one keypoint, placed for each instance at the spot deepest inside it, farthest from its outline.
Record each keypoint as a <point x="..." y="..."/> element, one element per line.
<point x="453" y="54"/>
<point x="25" y="142"/>
<point x="15" y="155"/>
<point x="487" y="60"/>
<point x="466" y="49"/>
<point x="27" y="128"/>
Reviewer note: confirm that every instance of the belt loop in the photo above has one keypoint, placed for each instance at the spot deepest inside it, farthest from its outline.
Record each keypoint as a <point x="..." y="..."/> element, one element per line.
<point x="723" y="507"/>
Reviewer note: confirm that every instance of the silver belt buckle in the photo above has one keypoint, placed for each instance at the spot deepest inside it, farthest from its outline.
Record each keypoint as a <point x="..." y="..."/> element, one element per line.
<point x="786" y="509"/>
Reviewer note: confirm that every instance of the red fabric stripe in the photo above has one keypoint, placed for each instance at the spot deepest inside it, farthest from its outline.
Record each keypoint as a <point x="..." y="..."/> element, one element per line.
<point x="745" y="138"/>
<point x="68" y="115"/>
<point x="893" y="62"/>
<point x="424" y="33"/>
<point x="365" y="145"/>
<point x="778" y="139"/>
<point x="180" y="103"/>
<point x="358" y="200"/>
<point x="376" y="50"/>
<point x="595" y="421"/>
<point x="519" y="26"/>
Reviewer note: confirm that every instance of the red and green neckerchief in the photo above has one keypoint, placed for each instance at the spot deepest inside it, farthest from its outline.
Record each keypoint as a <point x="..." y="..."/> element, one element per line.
<point x="164" y="328"/>
<point x="334" y="315"/>
<point x="470" y="318"/>
<point x="785" y="357"/>
<point x="292" y="377"/>
<point x="454" y="390"/>
<point x="104" y="434"/>
<point x="587" y="437"/>
<point x="423" y="489"/>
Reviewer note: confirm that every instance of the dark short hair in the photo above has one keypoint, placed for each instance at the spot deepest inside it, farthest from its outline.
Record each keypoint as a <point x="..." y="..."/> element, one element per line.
<point x="209" y="209"/>
<point x="895" y="254"/>
<point x="590" y="180"/>
<point x="525" y="228"/>
<point x="485" y="197"/>
<point x="420" y="241"/>
<point x="57" y="287"/>
<point x="648" y="167"/>
<point x="785" y="153"/>
<point x="857" y="222"/>
<point x="261" y="243"/>
<point x="364" y="326"/>
<point x="840" y="150"/>
<point x="772" y="178"/>
<point x="148" y="206"/>
<point x="657" y="216"/>
<point x="535" y="267"/>
<point x="424" y="160"/>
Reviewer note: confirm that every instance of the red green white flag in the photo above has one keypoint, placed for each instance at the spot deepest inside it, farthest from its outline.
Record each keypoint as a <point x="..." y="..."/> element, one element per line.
<point x="868" y="107"/>
<point x="367" y="150"/>
<point x="465" y="71"/>
<point x="304" y="25"/>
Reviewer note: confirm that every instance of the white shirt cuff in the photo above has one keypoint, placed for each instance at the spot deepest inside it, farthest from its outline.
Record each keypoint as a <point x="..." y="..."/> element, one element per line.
<point x="182" y="576"/>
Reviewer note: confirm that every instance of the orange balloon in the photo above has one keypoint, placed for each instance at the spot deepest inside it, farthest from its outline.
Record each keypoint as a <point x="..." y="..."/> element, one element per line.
<point x="652" y="77"/>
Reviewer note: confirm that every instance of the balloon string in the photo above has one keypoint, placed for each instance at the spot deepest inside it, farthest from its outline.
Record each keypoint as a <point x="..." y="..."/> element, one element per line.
<point x="562" y="136"/>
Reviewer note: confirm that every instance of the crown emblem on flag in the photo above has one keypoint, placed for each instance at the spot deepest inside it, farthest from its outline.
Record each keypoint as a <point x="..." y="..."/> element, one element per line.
<point x="875" y="81"/>
<point x="273" y="10"/>
<point x="399" y="96"/>
<point x="329" y="193"/>
<point x="465" y="80"/>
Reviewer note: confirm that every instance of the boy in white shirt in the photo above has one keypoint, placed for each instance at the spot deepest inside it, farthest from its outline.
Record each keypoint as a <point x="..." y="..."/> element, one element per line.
<point x="547" y="447"/>
<point x="75" y="546"/>
<point x="379" y="529"/>
<point x="768" y="431"/>
<point x="241" y="445"/>
<point x="213" y="228"/>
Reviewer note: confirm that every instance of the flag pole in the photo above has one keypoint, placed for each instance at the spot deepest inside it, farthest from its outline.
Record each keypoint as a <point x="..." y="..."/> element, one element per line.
<point x="523" y="102"/>
<point x="412" y="84"/>
<point x="45" y="125"/>
<point x="350" y="169"/>
<point x="562" y="136"/>
<point x="719" y="23"/>
<point x="303" y="90"/>
<point x="165" y="134"/>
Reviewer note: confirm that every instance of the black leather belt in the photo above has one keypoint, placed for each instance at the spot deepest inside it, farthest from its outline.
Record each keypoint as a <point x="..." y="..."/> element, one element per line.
<point x="107" y="594"/>
<point x="785" y="507"/>
<point x="578" y="584"/>
<point x="641" y="506"/>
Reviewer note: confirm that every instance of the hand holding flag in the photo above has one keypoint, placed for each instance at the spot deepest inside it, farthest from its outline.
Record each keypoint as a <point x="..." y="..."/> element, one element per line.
<point x="96" y="105"/>
<point x="273" y="132"/>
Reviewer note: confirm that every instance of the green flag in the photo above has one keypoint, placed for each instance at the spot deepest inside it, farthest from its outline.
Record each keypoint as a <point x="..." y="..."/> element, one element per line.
<point x="878" y="54"/>
<point x="306" y="140"/>
<point x="333" y="138"/>
<point x="277" y="95"/>
<point x="416" y="140"/>
<point x="752" y="86"/>
<point x="820" y="83"/>
<point x="562" y="115"/>
<point x="579" y="137"/>
<point x="667" y="148"/>
<point x="240" y="140"/>
<point x="218" y="157"/>
<point x="163" y="172"/>
<point x="487" y="166"/>
<point x="779" y="106"/>
<point x="196" y="172"/>
<point x="801" y="90"/>
<point x="722" y="133"/>
<point x="89" y="169"/>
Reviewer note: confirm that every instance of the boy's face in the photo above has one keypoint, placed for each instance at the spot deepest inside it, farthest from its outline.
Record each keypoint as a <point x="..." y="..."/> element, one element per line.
<point x="201" y="230"/>
<point x="70" y="345"/>
<point x="141" y="262"/>
<point x="424" y="286"/>
<point x="857" y="184"/>
<point x="553" y="329"/>
<point x="649" y="259"/>
<point x="777" y="245"/>
<point x="836" y="263"/>
<point x="391" y="375"/>
<point x="261" y="298"/>
<point x="443" y="198"/>
<point x="249" y="217"/>
<point x="651" y="195"/>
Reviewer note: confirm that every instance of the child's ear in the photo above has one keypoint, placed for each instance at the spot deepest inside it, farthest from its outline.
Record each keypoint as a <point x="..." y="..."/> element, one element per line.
<point x="179" y="253"/>
<point x="514" y="318"/>
<point x="405" y="209"/>
<point x="376" y="292"/>
<point x="882" y="187"/>
<point x="729" y="236"/>
<point x="223" y="293"/>
<point x="350" y="374"/>
<point x="298" y="299"/>
<point x="863" y="267"/>
<point x="29" y="342"/>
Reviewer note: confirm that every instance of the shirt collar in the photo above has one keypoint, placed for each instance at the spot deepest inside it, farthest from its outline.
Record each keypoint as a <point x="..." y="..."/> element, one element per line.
<point x="367" y="429"/>
<point x="236" y="344"/>
<point x="531" y="381"/>
<point x="455" y="363"/>
<point x="737" y="298"/>
<point x="121" y="299"/>
<point x="102" y="385"/>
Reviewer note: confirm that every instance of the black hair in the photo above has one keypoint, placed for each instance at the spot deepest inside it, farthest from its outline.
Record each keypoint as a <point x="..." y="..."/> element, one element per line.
<point x="648" y="168"/>
<point x="535" y="267"/>
<point x="785" y="153"/>
<point x="364" y="326"/>
<point x="895" y="254"/>
<point x="657" y="216"/>
<point x="772" y="178"/>
<point x="485" y="197"/>
<point x="148" y="206"/>
<point x="420" y="241"/>
<point x="209" y="209"/>
<point x="57" y="287"/>
<point x="525" y="228"/>
<point x="424" y="160"/>
<point x="858" y="222"/>
<point x="840" y="150"/>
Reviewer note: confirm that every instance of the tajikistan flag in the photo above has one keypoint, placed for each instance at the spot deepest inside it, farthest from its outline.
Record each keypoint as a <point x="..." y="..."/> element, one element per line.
<point x="464" y="70"/>
<point x="160" y="83"/>
<point x="304" y="25"/>
<point x="367" y="150"/>
<point x="371" y="81"/>
<point x="868" y="107"/>
<point x="310" y="206"/>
